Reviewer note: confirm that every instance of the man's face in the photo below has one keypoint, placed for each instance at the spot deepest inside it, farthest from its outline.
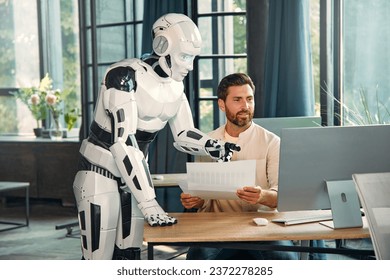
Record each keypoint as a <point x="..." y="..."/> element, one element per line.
<point x="239" y="105"/>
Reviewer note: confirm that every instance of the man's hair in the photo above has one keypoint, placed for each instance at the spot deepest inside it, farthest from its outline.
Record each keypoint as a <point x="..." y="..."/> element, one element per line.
<point x="236" y="79"/>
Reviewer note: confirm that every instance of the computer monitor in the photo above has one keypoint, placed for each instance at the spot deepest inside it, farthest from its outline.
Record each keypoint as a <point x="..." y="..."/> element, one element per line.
<point x="316" y="167"/>
<point x="276" y="124"/>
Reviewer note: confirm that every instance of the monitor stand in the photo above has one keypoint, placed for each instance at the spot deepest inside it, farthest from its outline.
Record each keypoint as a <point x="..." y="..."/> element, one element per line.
<point x="345" y="205"/>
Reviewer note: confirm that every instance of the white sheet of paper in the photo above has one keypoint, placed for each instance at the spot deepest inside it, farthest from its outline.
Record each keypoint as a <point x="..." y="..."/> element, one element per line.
<point x="218" y="180"/>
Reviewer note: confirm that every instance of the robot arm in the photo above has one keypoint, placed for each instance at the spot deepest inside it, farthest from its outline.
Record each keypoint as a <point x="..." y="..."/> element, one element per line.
<point x="120" y="105"/>
<point x="190" y="140"/>
<point x="195" y="142"/>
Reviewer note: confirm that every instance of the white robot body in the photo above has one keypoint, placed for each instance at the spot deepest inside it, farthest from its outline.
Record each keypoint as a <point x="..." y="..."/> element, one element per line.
<point x="99" y="229"/>
<point x="158" y="99"/>
<point x="138" y="180"/>
<point x="113" y="187"/>
<point x="99" y="157"/>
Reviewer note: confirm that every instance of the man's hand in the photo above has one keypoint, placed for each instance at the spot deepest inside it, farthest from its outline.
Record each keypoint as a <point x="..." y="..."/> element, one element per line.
<point x="250" y="194"/>
<point x="221" y="151"/>
<point x="188" y="201"/>
<point x="257" y="195"/>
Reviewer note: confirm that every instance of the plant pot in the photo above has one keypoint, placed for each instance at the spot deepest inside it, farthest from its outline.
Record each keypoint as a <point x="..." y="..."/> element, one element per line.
<point x="38" y="132"/>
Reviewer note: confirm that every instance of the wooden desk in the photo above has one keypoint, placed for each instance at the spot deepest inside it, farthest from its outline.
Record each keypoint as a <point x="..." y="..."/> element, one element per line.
<point x="233" y="230"/>
<point x="168" y="180"/>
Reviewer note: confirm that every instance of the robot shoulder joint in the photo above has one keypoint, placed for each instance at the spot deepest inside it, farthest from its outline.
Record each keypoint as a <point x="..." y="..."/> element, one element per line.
<point x="121" y="78"/>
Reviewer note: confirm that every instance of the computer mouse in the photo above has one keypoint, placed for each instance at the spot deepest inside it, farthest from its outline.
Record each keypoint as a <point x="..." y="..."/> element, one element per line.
<point x="260" y="221"/>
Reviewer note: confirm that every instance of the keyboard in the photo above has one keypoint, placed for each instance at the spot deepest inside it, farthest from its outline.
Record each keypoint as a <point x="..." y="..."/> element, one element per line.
<point x="304" y="219"/>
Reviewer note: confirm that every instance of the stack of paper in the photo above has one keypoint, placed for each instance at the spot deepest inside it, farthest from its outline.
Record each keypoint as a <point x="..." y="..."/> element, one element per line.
<point x="218" y="180"/>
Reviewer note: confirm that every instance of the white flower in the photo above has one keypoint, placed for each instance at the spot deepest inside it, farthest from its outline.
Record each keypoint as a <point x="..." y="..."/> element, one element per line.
<point x="34" y="99"/>
<point x="51" y="99"/>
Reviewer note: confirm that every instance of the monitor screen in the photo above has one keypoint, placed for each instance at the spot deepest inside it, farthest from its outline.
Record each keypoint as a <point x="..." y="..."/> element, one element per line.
<point x="311" y="156"/>
<point x="276" y="125"/>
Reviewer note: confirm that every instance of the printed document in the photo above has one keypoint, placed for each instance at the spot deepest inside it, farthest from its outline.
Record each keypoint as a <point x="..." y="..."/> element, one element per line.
<point x="218" y="180"/>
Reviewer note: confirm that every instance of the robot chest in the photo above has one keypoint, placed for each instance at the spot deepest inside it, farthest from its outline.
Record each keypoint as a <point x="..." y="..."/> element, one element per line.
<point x="160" y="103"/>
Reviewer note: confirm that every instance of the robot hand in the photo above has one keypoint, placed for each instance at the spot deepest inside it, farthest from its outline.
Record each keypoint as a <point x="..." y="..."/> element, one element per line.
<point x="221" y="151"/>
<point x="154" y="214"/>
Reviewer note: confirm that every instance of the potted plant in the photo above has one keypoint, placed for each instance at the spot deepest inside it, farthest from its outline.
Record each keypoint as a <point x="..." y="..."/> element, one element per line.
<point x="42" y="100"/>
<point x="34" y="99"/>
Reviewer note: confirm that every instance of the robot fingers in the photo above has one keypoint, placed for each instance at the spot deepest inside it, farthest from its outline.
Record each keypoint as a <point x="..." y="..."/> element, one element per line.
<point x="152" y="221"/>
<point x="172" y="220"/>
<point x="232" y="147"/>
<point x="228" y="151"/>
<point x="155" y="215"/>
<point x="221" y="151"/>
<point x="161" y="220"/>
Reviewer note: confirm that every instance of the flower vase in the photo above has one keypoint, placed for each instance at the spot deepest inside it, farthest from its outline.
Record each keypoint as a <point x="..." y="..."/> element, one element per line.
<point x="56" y="131"/>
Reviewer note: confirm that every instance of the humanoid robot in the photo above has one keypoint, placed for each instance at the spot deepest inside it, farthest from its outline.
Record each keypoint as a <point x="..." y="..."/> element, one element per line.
<point x="138" y="97"/>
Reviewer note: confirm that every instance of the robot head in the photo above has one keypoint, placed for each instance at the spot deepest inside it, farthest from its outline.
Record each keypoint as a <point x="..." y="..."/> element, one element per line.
<point x="176" y="39"/>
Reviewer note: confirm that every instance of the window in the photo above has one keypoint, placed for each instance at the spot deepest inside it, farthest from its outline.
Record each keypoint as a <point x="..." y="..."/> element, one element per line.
<point x="365" y="62"/>
<point x="355" y="62"/>
<point x="18" y="68"/>
<point x="45" y="41"/>
<point x="112" y="31"/>
<point x="315" y="45"/>
<point x="221" y="55"/>
<point x="223" y="28"/>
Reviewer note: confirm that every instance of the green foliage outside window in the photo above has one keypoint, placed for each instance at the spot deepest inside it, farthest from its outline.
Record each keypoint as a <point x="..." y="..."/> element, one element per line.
<point x="70" y="60"/>
<point x="70" y="64"/>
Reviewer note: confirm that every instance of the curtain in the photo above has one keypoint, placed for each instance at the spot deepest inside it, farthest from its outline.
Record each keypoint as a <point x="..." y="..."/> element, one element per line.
<point x="289" y="89"/>
<point x="153" y="9"/>
<point x="257" y="21"/>
<point x="163" y="156"/>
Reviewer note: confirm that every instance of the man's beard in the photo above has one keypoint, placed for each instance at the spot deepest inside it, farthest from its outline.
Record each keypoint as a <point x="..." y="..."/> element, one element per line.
<point x="237" y="120"/>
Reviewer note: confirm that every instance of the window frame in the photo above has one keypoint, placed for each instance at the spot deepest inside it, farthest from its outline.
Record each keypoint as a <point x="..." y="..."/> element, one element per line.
<point x="330" y="62"/>
<point x="215" y="57"/>
<point x="90" y="80"/>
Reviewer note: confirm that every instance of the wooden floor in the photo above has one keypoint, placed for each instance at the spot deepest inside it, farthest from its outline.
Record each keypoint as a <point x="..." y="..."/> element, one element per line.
<point x="42" y="241"/>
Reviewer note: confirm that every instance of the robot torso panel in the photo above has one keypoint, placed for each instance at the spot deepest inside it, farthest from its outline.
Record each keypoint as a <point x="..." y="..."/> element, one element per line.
<point x="158" y="99"/>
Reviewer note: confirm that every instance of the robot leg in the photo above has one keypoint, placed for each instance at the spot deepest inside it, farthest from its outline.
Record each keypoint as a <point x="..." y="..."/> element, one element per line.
<point x="98" y="204"/>
<point x="130" y="231"/>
